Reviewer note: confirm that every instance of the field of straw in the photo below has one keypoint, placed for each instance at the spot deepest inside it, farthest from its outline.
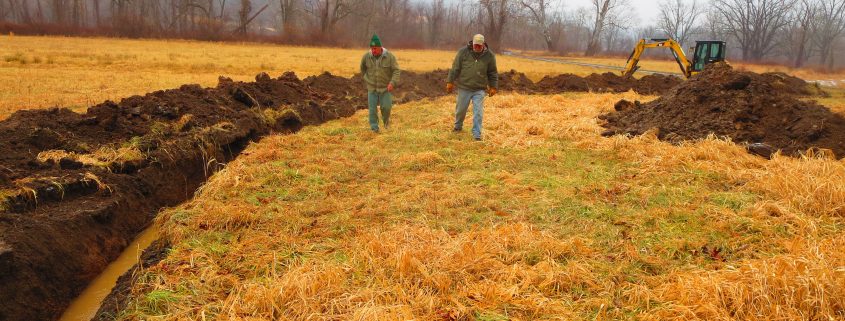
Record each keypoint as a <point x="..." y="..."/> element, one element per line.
<point x="543" y="220"/>
<point x="91" y="70"/>
<point x="40" y="72"/>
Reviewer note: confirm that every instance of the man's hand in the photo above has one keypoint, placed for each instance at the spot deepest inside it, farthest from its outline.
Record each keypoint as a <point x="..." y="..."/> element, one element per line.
<point x="491" y="92"/>
<point x="450" y="87"/>
<point x="390" y="87"/>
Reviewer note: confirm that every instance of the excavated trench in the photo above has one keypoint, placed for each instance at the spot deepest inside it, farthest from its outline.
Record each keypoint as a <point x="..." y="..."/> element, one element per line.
<point x="77" y="188"/>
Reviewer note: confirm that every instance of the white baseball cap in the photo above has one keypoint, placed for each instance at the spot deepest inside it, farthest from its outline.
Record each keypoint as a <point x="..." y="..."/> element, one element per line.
<point x="478" y="39"/>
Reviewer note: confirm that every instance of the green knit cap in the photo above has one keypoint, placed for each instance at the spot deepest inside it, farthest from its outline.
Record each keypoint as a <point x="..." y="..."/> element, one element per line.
<point x="375" y="42"/>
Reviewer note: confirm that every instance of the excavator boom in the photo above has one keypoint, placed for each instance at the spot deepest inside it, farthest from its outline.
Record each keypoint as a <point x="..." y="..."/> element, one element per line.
<point x="706" y="52"/>
<point x="674" y="46"/>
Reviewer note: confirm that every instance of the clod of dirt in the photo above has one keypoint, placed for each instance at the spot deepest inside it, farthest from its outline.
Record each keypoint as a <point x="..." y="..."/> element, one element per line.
<point x="6" y="256"/>
<point x="262" y="77"/>
<point x="747" y="107"/>
<point x="623" y="105"/>
<point x="760" y="149"/>
<point x="737" y="82"/>
<point x="244" y="97"/>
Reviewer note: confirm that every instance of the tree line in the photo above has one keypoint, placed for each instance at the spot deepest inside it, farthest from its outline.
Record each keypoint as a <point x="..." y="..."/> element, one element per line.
<point x="798" y="32"/>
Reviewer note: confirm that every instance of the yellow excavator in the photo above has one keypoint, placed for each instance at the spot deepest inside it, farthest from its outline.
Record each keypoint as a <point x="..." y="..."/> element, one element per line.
<point x="705" y="53"/>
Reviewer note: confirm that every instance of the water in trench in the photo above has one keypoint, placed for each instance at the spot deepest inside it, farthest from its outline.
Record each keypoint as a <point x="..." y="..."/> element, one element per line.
<point x="85" y="306"/>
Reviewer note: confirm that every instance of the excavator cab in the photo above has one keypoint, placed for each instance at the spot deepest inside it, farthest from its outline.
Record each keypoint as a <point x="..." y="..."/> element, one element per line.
<point x="707" y="52"/>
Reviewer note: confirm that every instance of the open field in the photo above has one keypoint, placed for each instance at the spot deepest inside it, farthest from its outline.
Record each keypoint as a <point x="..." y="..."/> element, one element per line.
<point x="39" y="72"/>
<point x="95" y="69"/>
<point x="543" y="220"/>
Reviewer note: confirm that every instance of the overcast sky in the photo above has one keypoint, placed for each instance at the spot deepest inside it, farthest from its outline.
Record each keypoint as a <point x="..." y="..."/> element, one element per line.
<point x="646" y="11"/>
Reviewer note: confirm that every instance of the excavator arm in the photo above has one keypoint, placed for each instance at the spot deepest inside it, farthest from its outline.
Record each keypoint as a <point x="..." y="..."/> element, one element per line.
<point x="674" y="46"/>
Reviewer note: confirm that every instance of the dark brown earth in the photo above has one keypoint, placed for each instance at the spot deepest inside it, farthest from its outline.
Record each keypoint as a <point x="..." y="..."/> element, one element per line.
<point x="764" y="111"/>
<point x="62" y="220"/>
<point x="608" y="83"/>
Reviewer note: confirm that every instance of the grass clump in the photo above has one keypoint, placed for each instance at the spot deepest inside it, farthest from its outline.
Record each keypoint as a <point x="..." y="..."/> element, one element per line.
<point x="105" y="156"/>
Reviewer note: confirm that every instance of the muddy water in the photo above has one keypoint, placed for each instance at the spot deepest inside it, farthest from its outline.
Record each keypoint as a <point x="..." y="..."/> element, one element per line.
<point x="85" y="306"/>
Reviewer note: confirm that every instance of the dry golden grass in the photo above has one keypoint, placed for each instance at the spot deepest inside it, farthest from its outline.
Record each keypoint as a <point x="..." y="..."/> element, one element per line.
<point x="543" y="220"/>
<point x="39" y="72"/>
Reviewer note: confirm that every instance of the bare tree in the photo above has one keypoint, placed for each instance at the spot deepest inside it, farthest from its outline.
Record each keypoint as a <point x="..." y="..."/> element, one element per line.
<point x="830" y="25"/>
<point x="96" y="11"/>
<point x="678" y="18"/>
<point x="243" y="15"/>
<point x="754" y="24"/>
<point x="800" y="31"/>
<point x="435" y="14"/>
<point x="498" y="13"/>
<point x="287" y="14"/>
<point x="59" y="9"/>
<point x="539" y="10"/>
<point x="606" y="15"/>
<point x="329" y="12"/>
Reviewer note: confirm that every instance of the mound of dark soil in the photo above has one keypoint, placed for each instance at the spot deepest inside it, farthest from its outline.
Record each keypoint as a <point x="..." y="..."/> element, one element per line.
<point x="747" y="107"/>
<point x="793" y="85"/>
<point x="563" y="82"/>
<point x="608" y="83"/>
<point x="515" y="81"/>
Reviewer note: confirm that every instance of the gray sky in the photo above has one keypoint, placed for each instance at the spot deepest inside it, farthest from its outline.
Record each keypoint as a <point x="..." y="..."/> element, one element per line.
<point x="645" y="11"/>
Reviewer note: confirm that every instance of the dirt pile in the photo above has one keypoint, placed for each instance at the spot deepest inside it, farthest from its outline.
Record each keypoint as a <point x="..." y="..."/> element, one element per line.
<point x="608" y="83"/>
<point x="515" y="81"/>
<point x="76" y="188"/>
<point x="747" y="107"/>
<point x="793" y="85"/>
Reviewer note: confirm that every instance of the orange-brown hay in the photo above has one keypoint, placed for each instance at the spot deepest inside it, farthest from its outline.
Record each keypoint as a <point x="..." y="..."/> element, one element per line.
<point x="806" y="285"/>
<point x="808" y="184"/>
<point x="420" y="161"/>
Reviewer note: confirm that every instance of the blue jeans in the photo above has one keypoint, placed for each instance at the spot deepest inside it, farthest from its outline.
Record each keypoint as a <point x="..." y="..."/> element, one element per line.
<point x="385" y="100"/>
<point x="464" y="97"/>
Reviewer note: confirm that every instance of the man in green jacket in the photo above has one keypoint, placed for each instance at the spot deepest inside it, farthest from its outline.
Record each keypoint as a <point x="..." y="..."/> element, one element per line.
<point x="381" y="73"/>
<point x="474" y="71"/>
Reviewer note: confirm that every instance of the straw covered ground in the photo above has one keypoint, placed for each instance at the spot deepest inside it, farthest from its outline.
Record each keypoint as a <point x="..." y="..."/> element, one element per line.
<point x="544" y="219"/>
